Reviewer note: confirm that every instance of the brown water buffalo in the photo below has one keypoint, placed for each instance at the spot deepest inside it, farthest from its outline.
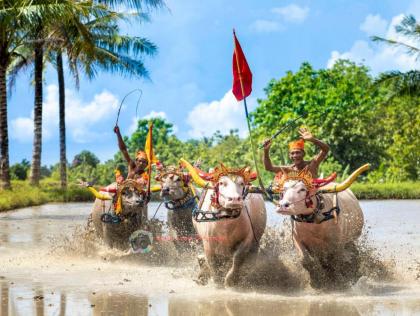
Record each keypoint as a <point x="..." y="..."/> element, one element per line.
<point x="132" y="216"/>
<point x="326" y="224"/>
<point x="229" y="224"/>
<point x="179" y="199"/>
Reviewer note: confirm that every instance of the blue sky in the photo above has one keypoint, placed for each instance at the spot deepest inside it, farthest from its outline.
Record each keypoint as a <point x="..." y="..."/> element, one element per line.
<point x="191" y="75"/>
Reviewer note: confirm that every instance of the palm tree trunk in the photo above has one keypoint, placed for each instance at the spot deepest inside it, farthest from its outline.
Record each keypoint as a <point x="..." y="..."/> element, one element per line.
<point x="4" y="137"/>
<point x="37" y="145"/>
<point x="62" y="121"/>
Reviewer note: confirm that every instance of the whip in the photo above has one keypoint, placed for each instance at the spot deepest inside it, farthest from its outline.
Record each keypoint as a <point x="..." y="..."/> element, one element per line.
<point x="122" y="102"/>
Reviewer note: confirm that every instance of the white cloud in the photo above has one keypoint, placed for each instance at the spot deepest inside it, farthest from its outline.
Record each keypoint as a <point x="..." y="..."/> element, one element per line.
<point x="379" y="56"/>
<point x="153" y="114"/>
<point x="374" y="25"/>
<point x="265" y="26"/>
<point x="81" y="117"/>
<point x="208" y="117"/>
<point x="22" y="129"/>
<point x="292" y="13"/>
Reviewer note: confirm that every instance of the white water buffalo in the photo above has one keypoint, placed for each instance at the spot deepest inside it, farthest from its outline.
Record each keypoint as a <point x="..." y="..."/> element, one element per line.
<point x="229" y="224"/>
<point x="132" y="213"/>
<point x="179" y="199"/>
<point x="326" y="223"/>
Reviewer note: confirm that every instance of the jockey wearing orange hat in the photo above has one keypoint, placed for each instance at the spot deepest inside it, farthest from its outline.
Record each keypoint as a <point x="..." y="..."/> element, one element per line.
<point x="297" y="154"/>
<point x="137" y="167"/>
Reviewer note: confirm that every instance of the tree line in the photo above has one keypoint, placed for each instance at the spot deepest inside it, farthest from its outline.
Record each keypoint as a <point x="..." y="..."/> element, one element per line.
<point x="343" y="105"/>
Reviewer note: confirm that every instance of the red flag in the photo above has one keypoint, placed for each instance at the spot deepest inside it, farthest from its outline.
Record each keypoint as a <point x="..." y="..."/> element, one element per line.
<point x="242" y="76"/>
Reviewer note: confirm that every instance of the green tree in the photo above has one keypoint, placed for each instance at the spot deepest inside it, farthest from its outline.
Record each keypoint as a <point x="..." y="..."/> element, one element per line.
<point x="338" y="104"/>
<point x="84" y="166"/>
<point x="162" y="129"/>
<point x="19" y="171"/>
<point x="401" y="161"/>
<point x="85" y="157"/>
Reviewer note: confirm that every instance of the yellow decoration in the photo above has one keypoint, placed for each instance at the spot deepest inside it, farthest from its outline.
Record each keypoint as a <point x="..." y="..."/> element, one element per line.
<point x="148" y="147"/>
<point x="196" y="178"/>
<point x="332" y="188"/>
<point x="99" y="195"/>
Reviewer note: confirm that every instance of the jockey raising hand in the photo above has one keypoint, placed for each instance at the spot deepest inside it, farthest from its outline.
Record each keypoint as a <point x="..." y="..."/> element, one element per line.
<point x="136" y="167"/>
<point x="297" y="154"/>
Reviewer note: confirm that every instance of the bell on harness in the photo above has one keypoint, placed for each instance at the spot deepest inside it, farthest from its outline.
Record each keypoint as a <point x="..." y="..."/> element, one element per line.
<point x="141" y="241"/>
<point x="109" y="218"/>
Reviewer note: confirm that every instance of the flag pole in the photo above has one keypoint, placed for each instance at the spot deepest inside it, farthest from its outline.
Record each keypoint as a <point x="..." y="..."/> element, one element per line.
<point x="253" y="147"/>
<point x="149" y="171"/>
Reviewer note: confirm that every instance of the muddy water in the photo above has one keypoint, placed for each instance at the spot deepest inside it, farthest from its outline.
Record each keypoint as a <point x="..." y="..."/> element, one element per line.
<point x="48" y="266"/>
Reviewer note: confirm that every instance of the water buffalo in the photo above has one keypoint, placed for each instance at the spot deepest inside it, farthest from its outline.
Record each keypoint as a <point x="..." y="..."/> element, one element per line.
<point x="130" y="215"/>
<point x="179" y="198"/>
<point x="229" y="223"/>
<point x="326" y="224"/>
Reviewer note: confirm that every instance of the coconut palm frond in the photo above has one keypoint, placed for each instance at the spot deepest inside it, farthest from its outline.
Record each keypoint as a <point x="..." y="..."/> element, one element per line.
<point x="400" y="83"/>
<point x="139" y="5"/>
<point x="22" y="61"/>
<point x="411" y="50"/>
<point x="410" y="29"/>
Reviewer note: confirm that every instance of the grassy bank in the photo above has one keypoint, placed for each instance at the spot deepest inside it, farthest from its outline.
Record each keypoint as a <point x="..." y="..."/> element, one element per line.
<point x="402" y="190"/>
<point x="23" y="195"/>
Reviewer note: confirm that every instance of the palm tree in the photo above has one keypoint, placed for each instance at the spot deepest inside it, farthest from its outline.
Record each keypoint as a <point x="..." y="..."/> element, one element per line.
<point x="40" y="43"/>
<point x="60" y="32"/>
<point x="38" y="40"/>
<point x="110" y="52"/>
<point x="15" y="19"/>
<point x="38" y="65"/>
<point x="92" y="42"/>
<point x="403" y="83"/>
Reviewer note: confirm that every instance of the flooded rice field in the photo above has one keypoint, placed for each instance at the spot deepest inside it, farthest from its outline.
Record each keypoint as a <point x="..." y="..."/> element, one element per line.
<point x="49" y="265"/>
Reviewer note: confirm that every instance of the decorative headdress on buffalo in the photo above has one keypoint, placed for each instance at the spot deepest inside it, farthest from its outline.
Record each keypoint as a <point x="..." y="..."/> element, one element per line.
<point x="222" y="170"/>
<point x="172" y="171"/>
<point x="287" y="175"/>
<point x="304" y="175"/>
<point x="128" y="183"/>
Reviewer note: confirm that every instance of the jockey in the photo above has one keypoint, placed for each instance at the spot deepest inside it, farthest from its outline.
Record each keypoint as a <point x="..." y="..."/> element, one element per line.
<point x="297" y="153"/>
<point x="137" y="167"/>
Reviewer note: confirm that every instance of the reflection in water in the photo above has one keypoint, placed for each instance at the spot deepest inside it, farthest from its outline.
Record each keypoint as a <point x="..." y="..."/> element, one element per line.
<point x="4" y="299"/>
<point x="4" y="234"/>
<point x="62" y="304"/>
<point x="104" y="304"/>
<point x="39" y="302"/>
<point x="30" y="300"/>
<point x="240" y="307"/>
